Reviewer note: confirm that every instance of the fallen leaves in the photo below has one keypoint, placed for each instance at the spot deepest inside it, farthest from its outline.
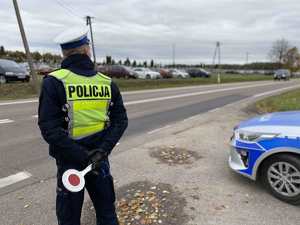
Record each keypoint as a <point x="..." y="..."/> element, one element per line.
<point x="143" y="203"/>
<point x="172" y="155"/>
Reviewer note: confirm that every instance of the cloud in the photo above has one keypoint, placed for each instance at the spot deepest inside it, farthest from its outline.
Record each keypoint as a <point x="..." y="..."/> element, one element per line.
<point x="147" y="29"/>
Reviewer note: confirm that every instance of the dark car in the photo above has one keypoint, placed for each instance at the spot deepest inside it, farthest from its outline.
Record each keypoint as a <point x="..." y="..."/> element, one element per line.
<point x="117" y="71"/>
<point x="11" y="71"/>
<point x="198" y="73"/>
<point x="282" y="74"/>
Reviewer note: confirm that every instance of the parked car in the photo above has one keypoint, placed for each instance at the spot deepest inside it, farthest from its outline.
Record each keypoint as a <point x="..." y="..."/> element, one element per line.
<point x="282" y="74"/>
<point x="117" y="71"/>
<point x="164" y="73"/>
<point x="25" y="66"/>
<point x="11" y="71"/>
<point x="43" y="69"/>
<point x="179" y="73"/>
<point x="198" y="73"/>
<point x="296" y="74"/>
<point x="146" y="73"/>
<point x="268" y="147"/>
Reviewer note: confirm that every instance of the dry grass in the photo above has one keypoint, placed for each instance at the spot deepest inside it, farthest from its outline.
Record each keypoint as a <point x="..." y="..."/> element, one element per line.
<point x="284" y="102"/>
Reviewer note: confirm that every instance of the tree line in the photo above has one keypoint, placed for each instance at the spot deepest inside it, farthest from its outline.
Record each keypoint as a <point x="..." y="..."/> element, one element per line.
<point x="19" y="56"/>
<point x="127" y="62"/>
<point x="282" y="55"/>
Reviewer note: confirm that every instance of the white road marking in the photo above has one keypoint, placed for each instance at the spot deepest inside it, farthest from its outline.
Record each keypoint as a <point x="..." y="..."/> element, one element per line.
<point x="6" y="121"/>
<point x="14" y="178"/>
<point x="148" y="91"/>
<point x="274" y="91"/>
<point x="174" y="97"/>
<point x="192" y="94"/>
<point x="158" y="129"/>
<point x="214" y="110"/>
<point x="18" y="102"/>
<point x="184" y="88"/>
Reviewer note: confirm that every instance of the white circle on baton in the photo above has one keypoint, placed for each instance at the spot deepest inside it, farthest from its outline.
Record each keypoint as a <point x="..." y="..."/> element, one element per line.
<point x="73" y="180"/>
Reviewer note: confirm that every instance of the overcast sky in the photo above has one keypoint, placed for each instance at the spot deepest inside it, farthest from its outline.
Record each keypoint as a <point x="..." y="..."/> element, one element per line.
<point x="144" y="29"/>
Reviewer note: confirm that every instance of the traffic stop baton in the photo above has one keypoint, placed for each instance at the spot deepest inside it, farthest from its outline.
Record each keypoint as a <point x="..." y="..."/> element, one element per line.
<point x="73" y="180"/>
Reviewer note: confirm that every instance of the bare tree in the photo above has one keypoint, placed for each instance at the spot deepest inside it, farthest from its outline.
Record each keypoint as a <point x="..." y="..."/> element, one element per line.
<point x="292" y="59"/>
<point x="279" y="50"/>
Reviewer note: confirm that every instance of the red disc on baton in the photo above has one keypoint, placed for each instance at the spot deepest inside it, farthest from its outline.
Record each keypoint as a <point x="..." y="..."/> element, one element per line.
<point x="74" y="180"/>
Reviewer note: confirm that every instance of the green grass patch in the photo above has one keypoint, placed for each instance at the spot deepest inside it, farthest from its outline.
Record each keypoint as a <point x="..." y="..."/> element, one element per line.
<point x="25" y="90"/>
<point x="284" y="102"/>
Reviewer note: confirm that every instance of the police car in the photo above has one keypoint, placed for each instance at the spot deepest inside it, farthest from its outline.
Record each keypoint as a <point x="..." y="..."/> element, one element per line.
<point x="268" y="148"/>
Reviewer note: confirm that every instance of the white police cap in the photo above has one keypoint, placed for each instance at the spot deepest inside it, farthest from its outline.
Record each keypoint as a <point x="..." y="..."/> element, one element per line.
<point x="72" y="37"/>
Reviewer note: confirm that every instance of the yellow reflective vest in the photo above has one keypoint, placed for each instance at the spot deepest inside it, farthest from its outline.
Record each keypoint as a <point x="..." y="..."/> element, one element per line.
<point x="88" y="100"/>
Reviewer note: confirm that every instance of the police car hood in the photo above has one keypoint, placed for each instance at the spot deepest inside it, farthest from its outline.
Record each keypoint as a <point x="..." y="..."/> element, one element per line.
<point x="291" y="118"/>
<point x="281" y="123"/>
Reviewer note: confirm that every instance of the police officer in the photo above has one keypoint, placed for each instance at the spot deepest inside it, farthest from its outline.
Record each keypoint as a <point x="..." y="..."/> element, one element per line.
<point x="81" y="117"/>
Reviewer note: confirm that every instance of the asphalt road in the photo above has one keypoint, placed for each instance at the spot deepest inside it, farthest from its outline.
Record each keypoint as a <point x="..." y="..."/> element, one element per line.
<point x="22" y="148"/>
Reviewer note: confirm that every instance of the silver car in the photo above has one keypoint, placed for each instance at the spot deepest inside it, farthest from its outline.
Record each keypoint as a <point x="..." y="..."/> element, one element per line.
<point x="145" y="73"/>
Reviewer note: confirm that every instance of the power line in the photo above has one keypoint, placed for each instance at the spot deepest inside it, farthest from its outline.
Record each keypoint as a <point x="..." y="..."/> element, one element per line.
<point x="217" y="54"/>
<point x="173" y="53"/>
<point x="89" y="23"/>
<point x="26" y="46"/>
<point x="71" y="11"/>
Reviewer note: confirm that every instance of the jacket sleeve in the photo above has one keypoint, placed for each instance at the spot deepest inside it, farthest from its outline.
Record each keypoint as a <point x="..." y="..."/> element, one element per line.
<point x="52" y="121"/>
<point x="118" y="121"/>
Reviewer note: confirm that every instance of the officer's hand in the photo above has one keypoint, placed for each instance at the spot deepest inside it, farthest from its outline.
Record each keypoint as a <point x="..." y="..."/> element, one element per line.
<point x="95" y="156"/>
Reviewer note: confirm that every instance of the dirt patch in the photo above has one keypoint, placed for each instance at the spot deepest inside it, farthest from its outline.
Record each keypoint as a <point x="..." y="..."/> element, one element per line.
<point x="172" y="155"/>
<point x="146" y="203"/>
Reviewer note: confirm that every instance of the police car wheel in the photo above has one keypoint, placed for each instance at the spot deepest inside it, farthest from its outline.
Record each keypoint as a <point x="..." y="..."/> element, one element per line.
<point x="3" y="80"/>
<point x="148" y="76"/>
<point x="281" y="176"/>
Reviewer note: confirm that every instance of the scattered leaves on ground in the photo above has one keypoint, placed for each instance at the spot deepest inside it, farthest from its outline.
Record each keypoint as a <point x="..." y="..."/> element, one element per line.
<point x="144" y="203"/>
<point x="174" y="155"/>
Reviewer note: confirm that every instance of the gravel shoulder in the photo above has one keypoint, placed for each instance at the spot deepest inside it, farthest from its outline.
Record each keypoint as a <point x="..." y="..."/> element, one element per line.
<point x="201" y="186"/>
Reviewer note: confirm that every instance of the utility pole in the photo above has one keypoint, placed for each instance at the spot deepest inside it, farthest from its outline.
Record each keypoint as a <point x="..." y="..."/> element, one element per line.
<point x="25" y="43"/>
<point x="89" y="23"/>
<point x="173" y="53"/>
<point x="218" y="54"/>
<point x="247" y="57"/>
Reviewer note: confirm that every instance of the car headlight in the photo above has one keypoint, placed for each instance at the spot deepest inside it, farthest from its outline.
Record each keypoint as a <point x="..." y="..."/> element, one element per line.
<point x="253" y="136"/>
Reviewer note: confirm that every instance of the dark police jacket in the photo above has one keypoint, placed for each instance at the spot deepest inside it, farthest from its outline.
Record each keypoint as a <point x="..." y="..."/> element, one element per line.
<point x="53" y="124"/>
